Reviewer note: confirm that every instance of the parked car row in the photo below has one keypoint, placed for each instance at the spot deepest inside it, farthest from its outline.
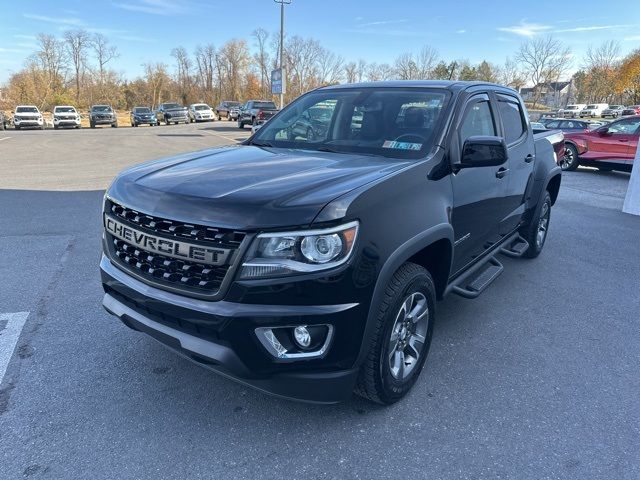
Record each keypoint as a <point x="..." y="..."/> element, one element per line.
<point x="29" y="116"/>
<point x="592" y="110"/>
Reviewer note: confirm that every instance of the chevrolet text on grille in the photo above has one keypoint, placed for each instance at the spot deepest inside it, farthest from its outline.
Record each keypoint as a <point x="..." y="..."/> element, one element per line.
<point x="167" y="247"/>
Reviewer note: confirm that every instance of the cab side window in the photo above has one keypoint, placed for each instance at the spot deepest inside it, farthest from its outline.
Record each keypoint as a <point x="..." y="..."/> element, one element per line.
<point x="478" y="120"/>
<point x="512" y="118"/>
<point x="624" y="127"/>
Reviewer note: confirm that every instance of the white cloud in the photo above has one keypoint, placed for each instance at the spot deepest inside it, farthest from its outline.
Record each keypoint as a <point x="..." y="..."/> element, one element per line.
<point x="632" y="38"/>
<point x="25" y="37"/>
<point x="461" y="31"/>
<point x="155" y="7"/>
<point x="525" y="29"/>
<point x="592" y="28"/>
<point x="69" y="21"/>
<point x="382" y="22"/>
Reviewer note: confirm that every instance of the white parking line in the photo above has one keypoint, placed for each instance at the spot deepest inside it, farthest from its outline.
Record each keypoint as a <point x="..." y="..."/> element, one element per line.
<point x="5" y="138"/>
<point x="9" y="334"/>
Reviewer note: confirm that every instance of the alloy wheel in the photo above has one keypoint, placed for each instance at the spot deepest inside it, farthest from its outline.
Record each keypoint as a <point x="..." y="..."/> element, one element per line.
<point x="408" y="335"/>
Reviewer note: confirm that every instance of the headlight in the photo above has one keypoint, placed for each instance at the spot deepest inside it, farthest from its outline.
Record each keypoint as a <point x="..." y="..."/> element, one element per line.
<point x="287" y="253"/>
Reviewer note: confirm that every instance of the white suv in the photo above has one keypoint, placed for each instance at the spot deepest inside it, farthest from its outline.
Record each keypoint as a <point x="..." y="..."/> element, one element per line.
<point x="200" y="112"/>
<point x="65" y="116"/>
<point x="27" y="116"/>
<point x="593" y="110"/>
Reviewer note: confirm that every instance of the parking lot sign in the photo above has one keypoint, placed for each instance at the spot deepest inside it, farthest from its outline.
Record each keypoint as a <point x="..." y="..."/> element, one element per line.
<point x="277" y="82"/>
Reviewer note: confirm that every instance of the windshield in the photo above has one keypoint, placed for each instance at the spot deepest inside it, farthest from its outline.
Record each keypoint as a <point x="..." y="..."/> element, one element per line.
<point x="572" y="107"/>
<point x="142" y="110"/>
<point x="101" y="108"/>
<point x="590" y="107"/>
<point x="26" y="110"/>
<point x="392" y="122"/>
<point x="202" y="107"/>
<point x="64" y="110"/>
<point x="171" y="105"/>
<point x="267" y="105"/>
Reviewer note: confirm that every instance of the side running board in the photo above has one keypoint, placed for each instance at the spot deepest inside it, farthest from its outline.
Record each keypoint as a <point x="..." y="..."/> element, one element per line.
<point x="515" y="248"/>
<point x="474" y="282"/>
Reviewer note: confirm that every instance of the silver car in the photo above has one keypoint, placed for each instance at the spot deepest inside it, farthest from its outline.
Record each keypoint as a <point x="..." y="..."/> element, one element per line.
<point x="614" y="111"/>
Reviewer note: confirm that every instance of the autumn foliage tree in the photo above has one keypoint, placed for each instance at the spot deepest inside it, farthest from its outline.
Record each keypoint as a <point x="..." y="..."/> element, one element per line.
<point x="628" y="79"/>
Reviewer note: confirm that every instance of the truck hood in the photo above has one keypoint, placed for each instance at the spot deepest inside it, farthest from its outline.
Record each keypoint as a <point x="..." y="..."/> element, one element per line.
<point x="27" y="115"/>
<point x="246" y="188"/>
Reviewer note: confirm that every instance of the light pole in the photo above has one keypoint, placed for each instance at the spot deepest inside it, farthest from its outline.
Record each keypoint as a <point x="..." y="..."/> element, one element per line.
<point x="282" y="4"/>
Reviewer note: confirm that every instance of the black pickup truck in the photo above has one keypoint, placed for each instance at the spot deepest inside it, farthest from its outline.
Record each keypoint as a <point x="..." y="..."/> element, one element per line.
<point x="256" y="112"/>
<point x="310" y="267"/>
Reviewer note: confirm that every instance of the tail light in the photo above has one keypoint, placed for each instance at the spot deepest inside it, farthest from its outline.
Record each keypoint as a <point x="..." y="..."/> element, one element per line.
<point x="260" y="115"/>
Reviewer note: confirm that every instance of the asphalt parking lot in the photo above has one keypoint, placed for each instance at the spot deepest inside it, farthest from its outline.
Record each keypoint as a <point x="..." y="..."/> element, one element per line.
<point x="536" y="379"/>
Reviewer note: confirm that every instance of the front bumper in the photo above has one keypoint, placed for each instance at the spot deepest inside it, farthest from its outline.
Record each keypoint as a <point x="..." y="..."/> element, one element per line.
<point x="221" y="336"/>
<point x="28" y="123"/>
<point x="66" y="121"/>
<point x="103" y="121"/>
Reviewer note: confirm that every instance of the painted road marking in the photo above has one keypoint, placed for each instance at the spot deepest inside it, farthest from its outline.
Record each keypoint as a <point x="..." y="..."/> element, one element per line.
<point x="5" y="138"/>
<point x="10" y="327"/>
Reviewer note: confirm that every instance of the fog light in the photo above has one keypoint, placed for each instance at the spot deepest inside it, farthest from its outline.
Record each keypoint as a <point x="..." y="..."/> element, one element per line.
<point x="302" y="337"/>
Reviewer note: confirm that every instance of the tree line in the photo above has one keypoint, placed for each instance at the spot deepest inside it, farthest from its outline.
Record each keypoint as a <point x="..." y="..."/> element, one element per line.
<point x="79" y="68"/>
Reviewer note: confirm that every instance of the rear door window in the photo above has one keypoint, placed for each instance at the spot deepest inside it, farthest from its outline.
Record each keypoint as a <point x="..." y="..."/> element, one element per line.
<point x="478" y="120"/>
<point x="512" y="118"/>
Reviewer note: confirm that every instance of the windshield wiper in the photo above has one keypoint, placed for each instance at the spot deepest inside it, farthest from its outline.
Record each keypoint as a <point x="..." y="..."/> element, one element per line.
<point x="261" y="144"/>
<point x="328" y="149"/>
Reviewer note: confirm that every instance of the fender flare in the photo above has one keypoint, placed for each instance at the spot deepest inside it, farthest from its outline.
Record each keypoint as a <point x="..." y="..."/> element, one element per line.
<point x="442" y="231"/>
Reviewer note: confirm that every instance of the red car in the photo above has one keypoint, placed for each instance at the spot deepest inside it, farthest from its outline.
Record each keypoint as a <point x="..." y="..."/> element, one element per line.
<point x="610" y="147"/>
<point x="632" y="110"/>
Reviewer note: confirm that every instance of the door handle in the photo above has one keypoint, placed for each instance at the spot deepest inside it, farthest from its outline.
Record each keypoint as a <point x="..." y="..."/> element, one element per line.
<point x="529" y="158"/>
<point x="623" y="140"/>
<point x="502" y="172"/>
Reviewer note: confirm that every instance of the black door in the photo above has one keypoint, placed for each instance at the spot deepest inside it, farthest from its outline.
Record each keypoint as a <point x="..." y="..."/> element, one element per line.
<point x="478" y="193"/>
<point x="521" y="151"/>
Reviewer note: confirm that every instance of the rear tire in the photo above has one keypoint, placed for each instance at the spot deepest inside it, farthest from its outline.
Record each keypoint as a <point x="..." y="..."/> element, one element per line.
<point x="240" y="125"/>
<point x="402" y="336"/>
<point x="535" y="232"/>
<point x="570" y="161"/>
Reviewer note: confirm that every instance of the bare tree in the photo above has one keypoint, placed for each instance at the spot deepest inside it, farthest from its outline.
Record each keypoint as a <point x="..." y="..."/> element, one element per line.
<point x="206" y="66"/>
<point x="51" y="57"/>
<point x="544" y="60"/>
<point x="77" y="44"/>
<point x="601" y="65"/>
<point x="157" y="79"/>
<point x="330" y="67"/>
<point x="103" y="53"/>
<point x="184" y="65"/>
<point x="405" y="66"/>
<point x="261" y="57"/>
<point x="426" y="61"/>
<point x="511" y="75"/>
<point x="301" y="57"/>
<point x="351" y="72"/>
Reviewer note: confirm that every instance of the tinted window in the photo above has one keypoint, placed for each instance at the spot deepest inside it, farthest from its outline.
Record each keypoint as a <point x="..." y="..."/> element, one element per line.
<point x="269" y="105"/>
<point x="625" y="126"/>
<point x="512" y="119"/>
<point x="391" y="122"/>
<point x="101" y="108"/>
<point x="555" y="124"/>
<point x="141" y="110"/>
<point x="478" y="120"/>
<point x="26" y="110"/>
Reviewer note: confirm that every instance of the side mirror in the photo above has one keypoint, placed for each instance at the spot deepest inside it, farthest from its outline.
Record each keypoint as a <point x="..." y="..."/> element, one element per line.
<point x="483" y="151"/>
<point x="604" y="131"/>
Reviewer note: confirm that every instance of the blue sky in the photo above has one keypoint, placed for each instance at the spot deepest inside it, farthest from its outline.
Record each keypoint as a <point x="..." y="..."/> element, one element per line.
<point x="374" y="30"/>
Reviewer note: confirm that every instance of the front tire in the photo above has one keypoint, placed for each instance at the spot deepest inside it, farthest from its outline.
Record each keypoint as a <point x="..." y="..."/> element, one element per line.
<point x="402" y="336"/>
<point x="570" y="160"/>
<point x="535" y="232"/>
